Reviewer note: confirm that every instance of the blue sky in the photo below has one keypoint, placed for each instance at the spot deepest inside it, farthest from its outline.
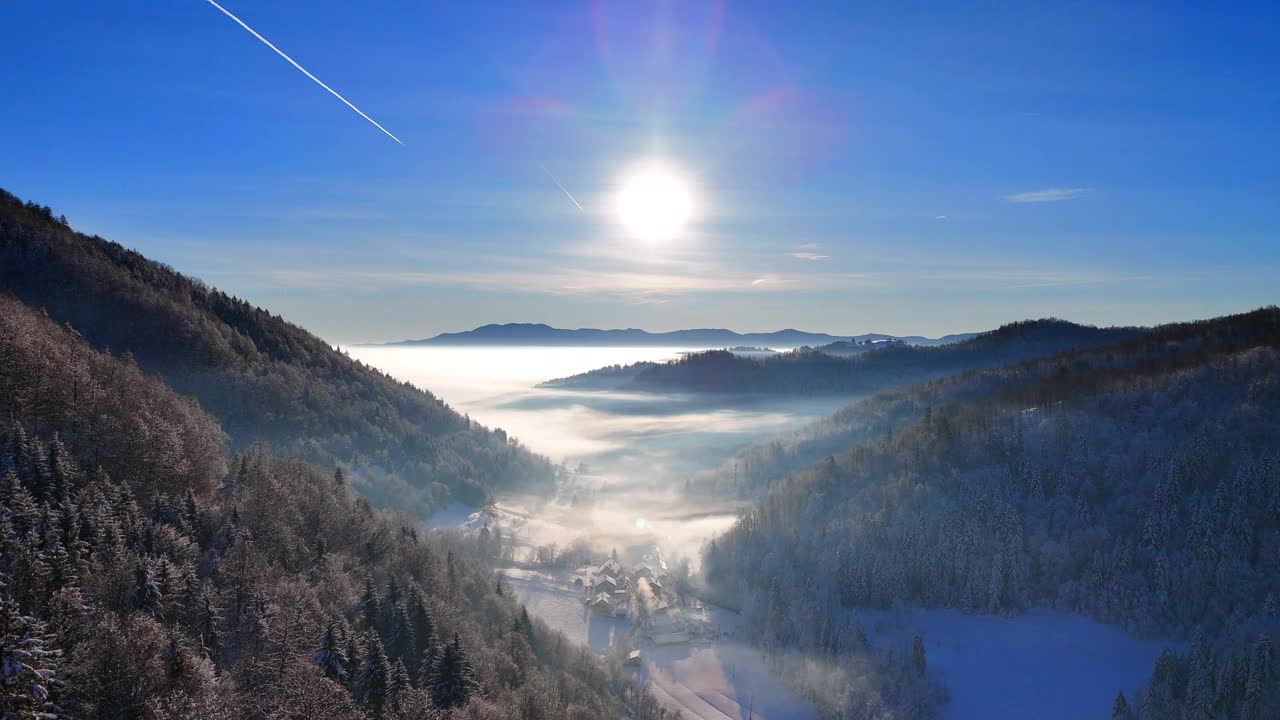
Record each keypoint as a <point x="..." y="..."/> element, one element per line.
<point x="917" y="169"/>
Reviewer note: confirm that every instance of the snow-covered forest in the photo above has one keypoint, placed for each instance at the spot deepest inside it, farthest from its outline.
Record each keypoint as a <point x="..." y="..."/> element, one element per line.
<point x="1137" y="484"/>
<point x="806" y="371"/>
<point x="145" y="572"/>
<point x="265" y="379"/>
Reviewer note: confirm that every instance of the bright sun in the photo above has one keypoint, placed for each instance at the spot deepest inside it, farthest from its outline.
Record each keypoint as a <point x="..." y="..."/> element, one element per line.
<point x="654" y="203"/>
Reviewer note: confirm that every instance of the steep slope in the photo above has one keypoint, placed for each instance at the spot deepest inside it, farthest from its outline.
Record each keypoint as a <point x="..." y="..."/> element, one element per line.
<point x="1137" y="484"/>
<point x="132" y="587"/>
<point x="813" y="372"/>
<point x="264" y="378"/>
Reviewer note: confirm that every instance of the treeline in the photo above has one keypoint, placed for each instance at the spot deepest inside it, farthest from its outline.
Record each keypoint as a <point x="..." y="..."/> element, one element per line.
<point x="812" y="372"/>
<point x="164" y="580"/>
<point x="265" y="379"/>
<point x="1138" y="484"/>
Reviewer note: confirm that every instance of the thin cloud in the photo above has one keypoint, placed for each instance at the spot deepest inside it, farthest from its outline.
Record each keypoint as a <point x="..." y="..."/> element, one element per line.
<point x="1049" y="195"/>
<point x="294" y="63"/>
<point x="808" y="251"/>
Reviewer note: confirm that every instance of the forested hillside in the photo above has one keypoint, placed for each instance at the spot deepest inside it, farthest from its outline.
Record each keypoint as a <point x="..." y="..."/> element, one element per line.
<point x="812" y="372"/>
<point x="1138" y="484"/>
<point x="146" y="574"/>
<point x="262" y="377"/>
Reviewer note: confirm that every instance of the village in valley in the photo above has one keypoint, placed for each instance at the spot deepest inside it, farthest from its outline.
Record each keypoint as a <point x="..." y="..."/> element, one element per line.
<point x="635" y="586"/>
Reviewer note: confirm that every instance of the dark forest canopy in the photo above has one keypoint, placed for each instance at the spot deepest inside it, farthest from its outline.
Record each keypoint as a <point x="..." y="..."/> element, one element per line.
<point x="265" y="379"/>
<point x="813" y="372"/>
<point x="1138" y="484"/>
<point x="146" y="574"/>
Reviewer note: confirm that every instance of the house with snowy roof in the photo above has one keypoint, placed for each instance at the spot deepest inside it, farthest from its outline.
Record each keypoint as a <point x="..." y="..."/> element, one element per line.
<point x="602" y="603"/>
<point x="604" y="584"/>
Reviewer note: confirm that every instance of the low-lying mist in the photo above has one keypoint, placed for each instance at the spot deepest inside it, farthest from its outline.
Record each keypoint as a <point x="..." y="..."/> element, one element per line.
<point x="630" y="454"/>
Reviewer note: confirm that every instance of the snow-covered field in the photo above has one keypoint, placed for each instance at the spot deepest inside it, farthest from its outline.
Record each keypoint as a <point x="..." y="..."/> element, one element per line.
<point x="1042" y="664"/>
<point x="547" y="596"/>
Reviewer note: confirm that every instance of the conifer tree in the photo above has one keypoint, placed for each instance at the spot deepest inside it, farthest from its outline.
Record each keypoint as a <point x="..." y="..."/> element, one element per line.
<point x="191" y="513"/>
<point x="452" y="681"/>
<point x="208" y="625"/>
<point x="375" y="676"/>
<point x="331" y="657"/>
<point x="918" y="659"/>
<point x="1120" y="708"/>
<point x="370" y="604"/>
<point x="399" y="688"/>
<point x="28" y="661"/>
<point x="146" y="593"/>
<point x="402" y="644"/>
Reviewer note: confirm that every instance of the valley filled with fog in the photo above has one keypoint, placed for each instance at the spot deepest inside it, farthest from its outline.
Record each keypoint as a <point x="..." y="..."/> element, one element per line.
<point x="628" y="457"/>
<point x="630" y="453"/>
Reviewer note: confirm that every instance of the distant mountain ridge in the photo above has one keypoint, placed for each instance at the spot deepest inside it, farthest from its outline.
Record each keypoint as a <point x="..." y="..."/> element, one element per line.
<point x="542" y="334"/>
<point x="874" y="367"/>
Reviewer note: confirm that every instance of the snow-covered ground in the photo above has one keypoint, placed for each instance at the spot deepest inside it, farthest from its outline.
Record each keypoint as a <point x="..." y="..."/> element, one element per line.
<point x="723" y="680"/>
<point x="547" y="596"/>
<point x="1042" y="664"/>
<point x="720" y="681"/>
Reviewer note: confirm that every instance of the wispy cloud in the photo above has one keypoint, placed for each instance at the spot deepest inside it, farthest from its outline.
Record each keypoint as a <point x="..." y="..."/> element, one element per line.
<point x="626" y="285"/>
<point x="294" y="63"/>
<point x="808" y="251"/>
<point x="1049" y="195"/>
<point x="642" y="287"/>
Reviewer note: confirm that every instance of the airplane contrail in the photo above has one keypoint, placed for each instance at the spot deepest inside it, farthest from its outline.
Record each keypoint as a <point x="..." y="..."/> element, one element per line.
<point x="554" y="180"/>
<point x="304" y="70"/>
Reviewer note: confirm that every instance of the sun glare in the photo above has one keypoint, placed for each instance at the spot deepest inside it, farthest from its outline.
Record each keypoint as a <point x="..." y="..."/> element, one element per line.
<point x="654" y="203"/>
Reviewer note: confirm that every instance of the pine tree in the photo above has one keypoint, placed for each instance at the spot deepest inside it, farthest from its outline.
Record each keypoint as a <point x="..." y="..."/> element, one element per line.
<point x="399" y="689"/>
<point x="371" y="604"/>
<point x="63" y="571"/>
<point x="1198" y="703"/>
<point x="29" y="665"/>
<point x="427" y="663"/>
<point x="918" y="659"/>
<point x="191" y="513"/>
<point x="424" y="626"/>
<point x="62" y="473"/>
<point x="375" y="676"/>
<point x="331" y="658"/>
<point x="208" y="625"/>
<point x="1120" y="708"/>
<point x="24" y="513"/>
<point x="175" y="659"/>
<point x="452" y="679"/>
<point x="402" y="644"/>
<point x="146" y="594"/>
